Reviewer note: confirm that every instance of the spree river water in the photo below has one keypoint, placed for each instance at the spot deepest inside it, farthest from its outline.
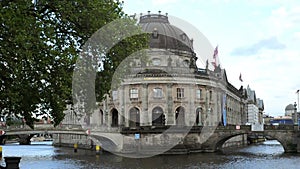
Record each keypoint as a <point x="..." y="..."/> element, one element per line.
<point x="42" y="155"/>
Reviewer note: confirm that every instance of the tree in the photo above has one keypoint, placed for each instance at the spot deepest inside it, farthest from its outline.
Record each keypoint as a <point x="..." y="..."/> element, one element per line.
<point x="40" y="42"/>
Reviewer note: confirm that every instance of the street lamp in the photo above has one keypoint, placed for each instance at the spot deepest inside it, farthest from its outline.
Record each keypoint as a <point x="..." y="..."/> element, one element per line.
<point x="295" y="114"/>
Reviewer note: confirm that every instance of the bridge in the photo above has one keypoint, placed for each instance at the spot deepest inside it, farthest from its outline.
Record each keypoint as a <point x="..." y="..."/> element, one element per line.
<point x="25" y="133"/>
<point x="288" y="136"/>
<point x="152" y="139"/>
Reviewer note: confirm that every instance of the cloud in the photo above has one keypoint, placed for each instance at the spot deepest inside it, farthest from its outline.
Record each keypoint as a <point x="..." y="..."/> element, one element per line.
<point x="161" y="2"/>
<point x="271" y="43"/>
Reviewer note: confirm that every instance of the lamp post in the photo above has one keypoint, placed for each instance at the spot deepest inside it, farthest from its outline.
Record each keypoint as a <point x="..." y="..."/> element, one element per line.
<point x="295" y="114"/>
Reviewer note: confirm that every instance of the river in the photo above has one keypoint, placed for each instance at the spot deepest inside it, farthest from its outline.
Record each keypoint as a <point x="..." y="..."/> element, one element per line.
<point x="42" y="155"/>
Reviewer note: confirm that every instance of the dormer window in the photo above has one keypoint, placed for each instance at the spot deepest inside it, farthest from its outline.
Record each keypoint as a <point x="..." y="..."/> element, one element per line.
<point x="183" y="36"/>
<point x="186" y="63"/>
<point x="155" y="33"/>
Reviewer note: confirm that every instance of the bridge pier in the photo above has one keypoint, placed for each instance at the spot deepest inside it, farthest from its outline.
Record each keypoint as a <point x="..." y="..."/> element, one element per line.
<point x="24" y="139"/>
<point x="2" y="139"/>
<point x="298" y="146"/>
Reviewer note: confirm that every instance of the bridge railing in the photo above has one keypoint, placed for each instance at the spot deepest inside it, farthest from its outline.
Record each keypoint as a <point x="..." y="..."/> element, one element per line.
<point x="279" y="127"/>
<point x="69" y="126"/>
<point x="192" y="129"/>
<point x="235" y="127"/>
<point x="42" y="127"/>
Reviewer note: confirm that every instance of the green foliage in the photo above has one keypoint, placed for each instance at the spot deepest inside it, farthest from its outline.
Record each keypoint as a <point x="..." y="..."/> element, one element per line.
<point x="117" y="54"/>
<point x="40" y="43"/>
<point x="13" y="122"/>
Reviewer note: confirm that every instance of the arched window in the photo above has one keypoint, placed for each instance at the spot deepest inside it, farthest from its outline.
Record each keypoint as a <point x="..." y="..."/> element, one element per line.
<point x="179" y="116"/>
<point x="114" y="118"/>
<point x="157" y="116"/>
<point x="134" y="117"/>
<point x="198" y="121"/>
<point x="101" y="117"/>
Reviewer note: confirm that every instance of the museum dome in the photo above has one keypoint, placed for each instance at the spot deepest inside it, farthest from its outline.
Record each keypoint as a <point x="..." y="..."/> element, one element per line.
<point x="289" y="107"/>
<point x="163" y="35"/>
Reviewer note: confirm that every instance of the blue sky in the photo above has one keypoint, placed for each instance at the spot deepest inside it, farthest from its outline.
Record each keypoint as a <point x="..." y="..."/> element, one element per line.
<point x="259" y="39"/>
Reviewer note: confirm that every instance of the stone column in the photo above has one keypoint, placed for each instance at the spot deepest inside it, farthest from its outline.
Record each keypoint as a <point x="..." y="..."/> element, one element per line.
<point x="191" y="116"/>
<point x="144" y="114"/>
<point x="125" y="103"/>
<point x="122" y="107"/>
<point x="105" y="113"/>
<point x="169" y="114"/>
<point x="207" y="115"/>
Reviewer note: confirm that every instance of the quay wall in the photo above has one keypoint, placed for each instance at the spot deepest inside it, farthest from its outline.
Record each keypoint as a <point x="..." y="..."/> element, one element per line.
<point x="184" y="145"/>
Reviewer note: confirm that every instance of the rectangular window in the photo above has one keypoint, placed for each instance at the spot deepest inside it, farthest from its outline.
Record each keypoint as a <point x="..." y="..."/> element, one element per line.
<point x="180" y="93"/>
<point x="210" y="95"/>
<point x="114" y="95"/>
<point x="157" y="93"/>
<point x="134" y="93"/>
<point x="198" y="94"/>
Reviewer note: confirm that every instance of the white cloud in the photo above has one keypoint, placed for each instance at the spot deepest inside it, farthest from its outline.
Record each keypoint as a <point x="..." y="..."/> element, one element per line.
<point x="269" y="43"/>
<point x="284" y="19"/>
<point x="259" y="27"/>
<point x="297" y="36"/>
<point x="162" y="2"/>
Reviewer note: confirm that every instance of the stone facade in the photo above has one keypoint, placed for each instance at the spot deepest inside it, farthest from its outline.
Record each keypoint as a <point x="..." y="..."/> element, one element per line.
<point x="170" y="86"/>
<point x="164" y="87"/>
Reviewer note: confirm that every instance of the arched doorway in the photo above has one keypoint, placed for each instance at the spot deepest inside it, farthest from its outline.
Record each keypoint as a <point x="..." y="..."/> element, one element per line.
<point x="157" y="116"/>
<point x="134" y="117"/>
<point x="114" y="117"/>
<point x="179" y="116"/>
<point x="198" y="121"/>
<point x="101" y="117"/>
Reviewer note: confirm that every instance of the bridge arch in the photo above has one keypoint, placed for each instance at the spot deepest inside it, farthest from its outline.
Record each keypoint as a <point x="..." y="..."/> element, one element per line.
<point x="283" y="139"/>
<point x="106" y="143"/>
<point x="222" y="139"/>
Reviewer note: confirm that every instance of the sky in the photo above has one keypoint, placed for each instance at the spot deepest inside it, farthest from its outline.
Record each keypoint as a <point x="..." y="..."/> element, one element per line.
<point x="258" y="39"/>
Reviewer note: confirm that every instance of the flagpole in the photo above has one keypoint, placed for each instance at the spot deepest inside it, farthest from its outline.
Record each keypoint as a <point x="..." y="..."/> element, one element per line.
<point x="240" y="78"/>
<point x="298" y="99"/>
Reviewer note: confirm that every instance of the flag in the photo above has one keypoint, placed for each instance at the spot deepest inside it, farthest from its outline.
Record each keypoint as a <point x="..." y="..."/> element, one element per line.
<point x="216" y="52"/>
<point x="214" y="64"/>
<point x="241" y="77"/>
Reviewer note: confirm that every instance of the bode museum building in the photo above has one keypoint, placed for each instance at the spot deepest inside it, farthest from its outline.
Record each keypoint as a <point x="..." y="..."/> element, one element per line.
<point x="166" y="89"/>
<point x="169" y="88"/>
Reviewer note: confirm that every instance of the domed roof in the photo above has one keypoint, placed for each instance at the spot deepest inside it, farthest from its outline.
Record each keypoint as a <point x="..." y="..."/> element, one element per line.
<point x="163" y="34"/>
<point x="289" y="107"/>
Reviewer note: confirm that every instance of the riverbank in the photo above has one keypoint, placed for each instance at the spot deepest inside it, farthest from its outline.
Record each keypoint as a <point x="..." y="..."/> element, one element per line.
<point x="267" y="155"/>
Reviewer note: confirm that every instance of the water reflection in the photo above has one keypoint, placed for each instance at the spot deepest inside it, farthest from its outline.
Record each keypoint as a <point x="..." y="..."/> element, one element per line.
<point x="265" y="155"/>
